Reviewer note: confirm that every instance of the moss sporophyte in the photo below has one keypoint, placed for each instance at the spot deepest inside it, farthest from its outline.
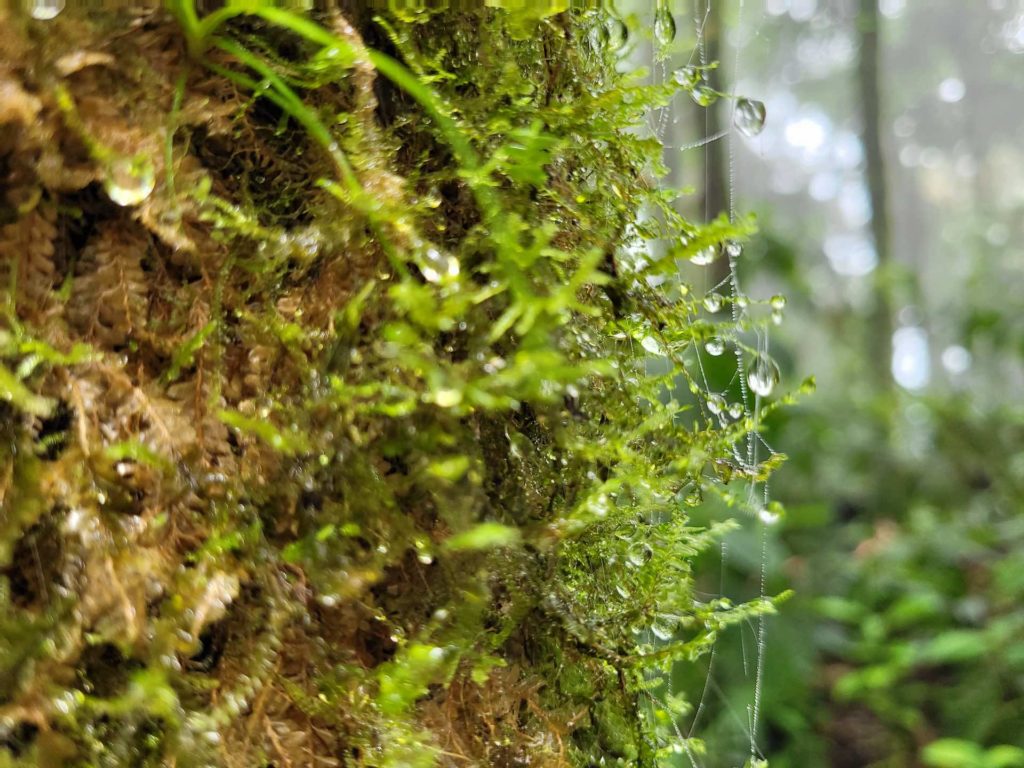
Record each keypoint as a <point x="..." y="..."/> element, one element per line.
<point x="330" y="429"/>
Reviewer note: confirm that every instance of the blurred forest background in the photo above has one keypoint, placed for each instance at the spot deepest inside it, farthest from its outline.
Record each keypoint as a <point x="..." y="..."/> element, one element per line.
<point x="889" y="185"/>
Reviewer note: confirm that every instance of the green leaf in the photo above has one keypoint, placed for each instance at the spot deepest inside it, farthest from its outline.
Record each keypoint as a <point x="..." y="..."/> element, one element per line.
<point x="1004" y="756"/>
<point x="484" y="536"/>
<point x="186" y="353"/>
<point x="953" y="753"/>
<point x="289" y="443"/>
<point x="17" y="394"/>
<point x="954" y="646"/>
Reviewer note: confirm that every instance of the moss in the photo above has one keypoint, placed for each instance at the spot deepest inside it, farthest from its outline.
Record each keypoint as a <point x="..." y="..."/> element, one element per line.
<point x="340" y="419"/>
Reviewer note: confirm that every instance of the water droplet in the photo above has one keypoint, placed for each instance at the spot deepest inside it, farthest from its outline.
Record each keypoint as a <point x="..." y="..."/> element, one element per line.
<point x="716" y="404"/>
<point x="714" y="347"/>
<point x="44" y="10"/>
<point x="664" y="25"/>
<point x="599" y="36"/>
<point x="733" y="249"/>
<point x="651" y="345"/>
<point x="703" y="257"/>
<point x="704" y="94"/>
<point x="639" y="554"/>
<point x="735" y="410"/>
<point x="618" y="34"/>
<point x="713" y="302"/>
<point x="778" y="302"/>
<point x="664" y="627"/>
<point x="776" y="317"/>
<point x="129" y="181"/>
<point x="762" y="375"/>
<point x="687" y="77"/>
<point x="437" y="266"/>
<point x="448" y="397"/>
<point x="742" y="302"/>
<point x="749" y="116"/>
<point x="771" y="514"/>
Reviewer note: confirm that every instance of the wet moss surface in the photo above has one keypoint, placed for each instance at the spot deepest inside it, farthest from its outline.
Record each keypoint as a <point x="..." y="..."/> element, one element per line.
<point x="330" y="435"/>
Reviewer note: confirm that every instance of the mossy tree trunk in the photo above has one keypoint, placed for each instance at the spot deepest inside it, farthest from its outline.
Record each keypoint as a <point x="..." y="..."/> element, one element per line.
<point x="323" y="443"/>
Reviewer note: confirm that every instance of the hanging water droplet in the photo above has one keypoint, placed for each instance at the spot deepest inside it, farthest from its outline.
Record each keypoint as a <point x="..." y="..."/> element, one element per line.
<point x="639" y="554"/>
<point x="776" y="317"/>
<point x="664" y="25"/>
<point x="618" y="34"/>
<point x="687" y="77"/>
<point x="713" y="302"/>
<point x="664" y="627"/>
<point x="733" y="249"/>
<point x="651" y="345"/>
<point x="599" y="36"/>
<point x="703" y="257"/>
<point x="749" y="116"/>
<point x="714" y="347"/>
<point x="704" y="94"/>
<point x="778" y="302"/>
<point x="129" y="181"/>
<point x="762" y="375"/>
<point x="716" y="404"/>
<point x="742" y="302"/>
<point x="771" y="514"/>
<point x="437" y="266"/>
<point x="44" y="10"/>
<point x="735" y="410"/>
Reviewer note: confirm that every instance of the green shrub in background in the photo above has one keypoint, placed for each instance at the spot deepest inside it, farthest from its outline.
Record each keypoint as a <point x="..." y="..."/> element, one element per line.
<point x="331" y="431"/>
<point x="904" y="542"/>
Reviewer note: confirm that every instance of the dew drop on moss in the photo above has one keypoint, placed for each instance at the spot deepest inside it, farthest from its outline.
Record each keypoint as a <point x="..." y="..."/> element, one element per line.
<point x="768" y="516"/>
<point x="651" y="345"/>
<point x="714" y="347"/>
<point x="639" y="554"/>
<point x="437" y="266"/>
<point x="762" y="375"/>
<point x="618" y="33"/>
<point x="716" y="403"/>
<point x="703" y="257"/>
<point x="713" y="302"/>
<point x="129" y="181"/>
<point x="664" y="627"/>
<point x="664" y="25"/>
<point x="44" y="10"/>
<point x="704" y="94"/>
<point x="749" y="116"/>
<point x="687" y="77"/>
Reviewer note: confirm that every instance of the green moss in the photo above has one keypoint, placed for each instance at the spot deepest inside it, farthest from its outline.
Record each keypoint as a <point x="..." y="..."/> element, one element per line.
<point x="381" y="470"/>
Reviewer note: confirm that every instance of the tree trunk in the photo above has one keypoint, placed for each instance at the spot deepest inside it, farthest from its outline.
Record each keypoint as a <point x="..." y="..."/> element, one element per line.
<point x="880" y="341"/>
<point x="320" y="441"/>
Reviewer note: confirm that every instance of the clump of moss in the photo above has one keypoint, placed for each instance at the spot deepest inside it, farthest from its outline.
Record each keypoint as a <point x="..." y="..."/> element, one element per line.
<point x="330" y="436"/>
